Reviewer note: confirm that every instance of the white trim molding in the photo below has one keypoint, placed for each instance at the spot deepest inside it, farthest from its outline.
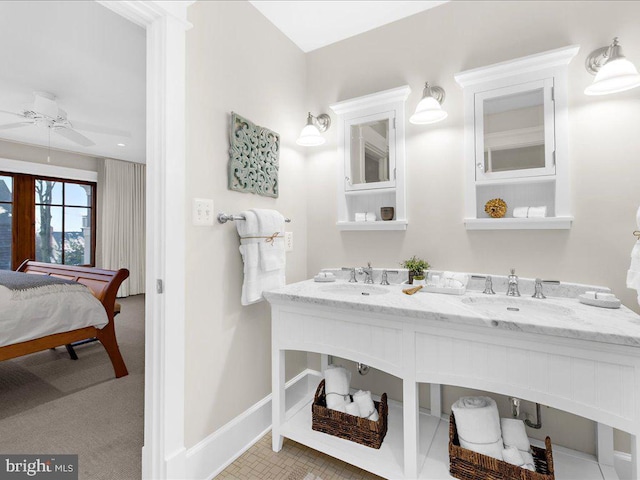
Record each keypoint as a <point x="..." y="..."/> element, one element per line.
<point x="46" y="170"/>
<point x="163" y="453"/>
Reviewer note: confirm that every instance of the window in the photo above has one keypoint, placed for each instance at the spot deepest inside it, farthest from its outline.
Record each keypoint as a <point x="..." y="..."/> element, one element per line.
<point x="54" y="221"/>
<point x="6" y="231"/>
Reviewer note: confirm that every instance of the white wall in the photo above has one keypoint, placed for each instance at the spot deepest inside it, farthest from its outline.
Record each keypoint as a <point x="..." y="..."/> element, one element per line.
<point x="236" y="61"/>
<point x="603" y="140"/>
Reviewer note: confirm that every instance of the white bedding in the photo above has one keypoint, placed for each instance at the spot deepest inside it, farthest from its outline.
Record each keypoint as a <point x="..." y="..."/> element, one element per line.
<point x="23" y="319"/>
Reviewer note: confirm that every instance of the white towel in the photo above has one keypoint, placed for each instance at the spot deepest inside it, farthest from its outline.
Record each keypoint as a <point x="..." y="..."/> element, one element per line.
<point x="633" y="275"/>
<point x="478" y="425"/>
<point x="352" y="409"/>
<point x="521" y="459"/>
<point x="365" y="405"/>
<point x="361" y="217"/>
<point x="339" y="407"/>
<point x="257" y="279"/>
<point x="514" y="434"/>
<point x="530" y="212"/>
<point x="527" y="458"/>
<point x="371" y="217"/>
<point x="336" y="385"/>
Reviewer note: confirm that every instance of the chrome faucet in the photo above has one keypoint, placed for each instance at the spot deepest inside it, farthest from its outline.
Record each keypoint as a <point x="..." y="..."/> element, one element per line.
<point x="353" y="278"/>
<point x="368" y="272"/>
<point x="512" y="289"/>
<point x="488" y="286"/>
<point x="384" y="280"/>
<point x="538" y="289"/>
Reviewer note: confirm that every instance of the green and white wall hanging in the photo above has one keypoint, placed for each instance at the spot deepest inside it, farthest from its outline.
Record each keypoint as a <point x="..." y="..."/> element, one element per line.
<point x="253" y="158"/>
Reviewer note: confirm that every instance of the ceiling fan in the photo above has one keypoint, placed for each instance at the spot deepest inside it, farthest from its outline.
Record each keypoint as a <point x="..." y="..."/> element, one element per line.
<point x="45" y="112"/>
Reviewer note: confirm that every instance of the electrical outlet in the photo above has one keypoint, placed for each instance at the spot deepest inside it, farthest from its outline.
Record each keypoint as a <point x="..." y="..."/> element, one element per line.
<point x="288" y="241"/>
<point x="202" y="212"/>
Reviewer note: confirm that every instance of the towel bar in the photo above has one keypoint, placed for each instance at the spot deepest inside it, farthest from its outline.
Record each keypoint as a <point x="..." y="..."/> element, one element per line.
<point x="224" y="218"/>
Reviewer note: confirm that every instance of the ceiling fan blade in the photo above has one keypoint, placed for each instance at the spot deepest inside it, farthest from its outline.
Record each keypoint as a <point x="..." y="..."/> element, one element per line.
<point x="12" y="113"/>
<point x="74" y="136"/>
<point x="7" y="126"/>
<point x="89" y="127"/>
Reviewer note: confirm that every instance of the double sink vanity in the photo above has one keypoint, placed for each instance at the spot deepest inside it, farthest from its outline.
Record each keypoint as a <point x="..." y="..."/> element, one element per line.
<point x="554" y="351"/>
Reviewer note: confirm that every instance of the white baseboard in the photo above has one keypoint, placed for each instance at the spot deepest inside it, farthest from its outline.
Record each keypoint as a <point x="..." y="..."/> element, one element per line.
<point x="212" y="455"/>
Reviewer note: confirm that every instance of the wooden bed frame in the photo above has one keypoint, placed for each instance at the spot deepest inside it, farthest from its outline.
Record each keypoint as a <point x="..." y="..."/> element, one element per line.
<point x="104" y="285"/>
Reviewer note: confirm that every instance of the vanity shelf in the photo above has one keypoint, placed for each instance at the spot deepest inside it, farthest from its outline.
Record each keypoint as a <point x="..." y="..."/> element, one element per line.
<point x="549" y="223"/>
<point x="379" y="225"/>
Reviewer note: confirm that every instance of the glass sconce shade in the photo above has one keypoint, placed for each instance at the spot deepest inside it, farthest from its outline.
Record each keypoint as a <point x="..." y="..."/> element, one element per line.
<point x="614" y="73"/>
<point x="429" y="109"/>
<point x="310" y="134"/>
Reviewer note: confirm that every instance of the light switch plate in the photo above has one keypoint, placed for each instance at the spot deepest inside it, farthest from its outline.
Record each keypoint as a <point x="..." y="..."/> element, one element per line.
<point x="288" y="241"/>
<point x="203" y="212"/>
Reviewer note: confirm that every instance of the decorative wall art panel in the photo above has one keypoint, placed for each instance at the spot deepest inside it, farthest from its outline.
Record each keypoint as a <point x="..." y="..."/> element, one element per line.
<point x="253" y="158"/>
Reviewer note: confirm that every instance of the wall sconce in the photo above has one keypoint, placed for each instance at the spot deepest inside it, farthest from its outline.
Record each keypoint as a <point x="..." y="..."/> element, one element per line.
<point x="429" y="109"/>
<point x="310" y="135"/>
<point x="614" y="73"/>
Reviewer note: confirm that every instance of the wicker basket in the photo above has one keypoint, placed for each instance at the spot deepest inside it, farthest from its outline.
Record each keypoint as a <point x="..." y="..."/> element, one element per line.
<point x="349" y="427"/>
<point x="468" y="465"/>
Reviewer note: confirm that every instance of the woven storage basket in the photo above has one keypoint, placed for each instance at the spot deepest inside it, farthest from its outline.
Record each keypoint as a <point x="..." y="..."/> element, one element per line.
<point x="467" y="465"/>
<point x="349" y="427"/>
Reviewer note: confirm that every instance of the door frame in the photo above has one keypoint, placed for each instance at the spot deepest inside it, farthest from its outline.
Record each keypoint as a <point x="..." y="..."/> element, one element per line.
<point x="164" y="452"/>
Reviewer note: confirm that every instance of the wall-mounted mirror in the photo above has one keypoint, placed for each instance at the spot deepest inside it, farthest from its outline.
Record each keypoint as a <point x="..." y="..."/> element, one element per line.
<point x="514" y="131"/>
<point x="370" y="161"/>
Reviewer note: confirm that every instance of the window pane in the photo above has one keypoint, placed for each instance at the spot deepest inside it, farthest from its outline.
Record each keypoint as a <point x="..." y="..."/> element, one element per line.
<point x="77" y="237"/>
<point x="48" y="192"/>
<point x="48" y="234"/>
<point x="6" y="188"/>
<point x="5" y="235"/>
<point x="77" y="195"/>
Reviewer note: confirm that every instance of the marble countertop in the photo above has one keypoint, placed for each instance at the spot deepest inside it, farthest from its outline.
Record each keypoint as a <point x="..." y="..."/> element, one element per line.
<point x="561" y="316"/>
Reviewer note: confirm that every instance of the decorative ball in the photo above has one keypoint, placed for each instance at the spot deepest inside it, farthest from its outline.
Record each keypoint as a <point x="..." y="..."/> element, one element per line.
<point x="496" y="208"/>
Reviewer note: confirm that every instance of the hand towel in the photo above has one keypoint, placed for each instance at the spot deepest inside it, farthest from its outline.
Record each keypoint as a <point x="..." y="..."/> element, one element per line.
<point x="371" y="217"/>
<point x="633" y="274"/>
<point x="256" y="278"/>
<point x="361" y="217"/>
<point x="514" y="434"/>
<point x="339" y="407"/>
<point x="336" y="385"/>
<point x="352" y="409"/>
<point x="478" y="425"/>
<point x="512" y="455"/>
<point x="271" y="248"/>
<point x="365" y="405"/>
<point x="530" y="212"/>
<point x="527" y="458"/>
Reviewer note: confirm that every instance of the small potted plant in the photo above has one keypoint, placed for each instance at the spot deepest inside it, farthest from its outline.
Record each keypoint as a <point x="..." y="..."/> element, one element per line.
<point x="416" y="267"/>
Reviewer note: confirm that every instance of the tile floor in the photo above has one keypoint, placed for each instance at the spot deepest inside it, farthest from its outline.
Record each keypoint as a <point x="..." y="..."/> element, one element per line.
<point x="293" y="462"/>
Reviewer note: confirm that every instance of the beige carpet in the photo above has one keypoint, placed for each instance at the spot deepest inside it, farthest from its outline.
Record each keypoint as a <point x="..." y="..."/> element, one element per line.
<point x="50" y="404"/>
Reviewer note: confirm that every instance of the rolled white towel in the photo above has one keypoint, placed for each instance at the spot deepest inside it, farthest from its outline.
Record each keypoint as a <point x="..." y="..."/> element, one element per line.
<point x="529" y="464"/>
<point x="336" y="385"/>
<point x="530" y="212"/>
<point x="512" y="455"/>
<point x="365" y="405"/>
<point x="371" y="216"/>
<point x="514" y="434"/>
<point x="339" y="407"/>
<point x="361" y="217"/>
<point x="352" y="409"/>
<point x="478" y="425"/>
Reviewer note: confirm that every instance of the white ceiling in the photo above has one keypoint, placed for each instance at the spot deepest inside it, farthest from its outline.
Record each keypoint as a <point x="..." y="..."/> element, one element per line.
<point x="313" y="24"/>
<point x="89" y="57"/>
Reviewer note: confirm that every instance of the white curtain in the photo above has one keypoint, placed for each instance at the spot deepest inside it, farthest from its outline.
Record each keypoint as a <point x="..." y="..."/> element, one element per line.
<point x="123" y="222"/>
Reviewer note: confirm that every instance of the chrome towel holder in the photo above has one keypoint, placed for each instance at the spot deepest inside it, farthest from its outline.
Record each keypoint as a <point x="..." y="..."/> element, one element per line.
<point x="224" y="218"/>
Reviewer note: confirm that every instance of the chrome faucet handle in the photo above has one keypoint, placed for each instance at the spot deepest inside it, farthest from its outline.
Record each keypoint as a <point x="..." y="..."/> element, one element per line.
<point x="384" y="280"/>
<point x="488" y="286"/>
<point x="353" y="278"/>
<point x="538" y="289"/>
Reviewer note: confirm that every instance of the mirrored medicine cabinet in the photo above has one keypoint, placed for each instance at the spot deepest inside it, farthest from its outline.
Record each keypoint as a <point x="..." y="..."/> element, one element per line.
<point x="516" y="127"/>
<point x="371" y="165"/>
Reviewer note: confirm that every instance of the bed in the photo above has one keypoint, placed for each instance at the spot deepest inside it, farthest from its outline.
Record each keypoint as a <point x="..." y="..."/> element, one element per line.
<point x="76" y="320"/>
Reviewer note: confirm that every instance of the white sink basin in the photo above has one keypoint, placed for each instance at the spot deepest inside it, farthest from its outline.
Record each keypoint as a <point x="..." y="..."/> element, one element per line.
<point x="514" y="308"/>
<point x="353" y="289"/>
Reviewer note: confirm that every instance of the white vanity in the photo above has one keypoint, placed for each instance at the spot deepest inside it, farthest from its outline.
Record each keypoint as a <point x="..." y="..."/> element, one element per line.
<point x="558" y="352"/>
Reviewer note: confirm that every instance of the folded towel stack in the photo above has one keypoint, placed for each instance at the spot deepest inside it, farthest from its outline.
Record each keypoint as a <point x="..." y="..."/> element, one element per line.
<point x="517" y="449"/>
<point x="478" y="425"/>
<point x="366" y="217"/>
<point x="530" y="212"/>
